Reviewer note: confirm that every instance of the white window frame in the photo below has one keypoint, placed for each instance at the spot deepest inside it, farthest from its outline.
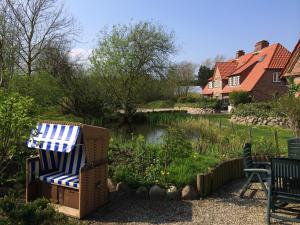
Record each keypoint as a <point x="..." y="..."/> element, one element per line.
<point x="276" y="77"/>
<point x="210" y="84"/>
<point x="230" y="81"/>
<point x="234" y="81"/>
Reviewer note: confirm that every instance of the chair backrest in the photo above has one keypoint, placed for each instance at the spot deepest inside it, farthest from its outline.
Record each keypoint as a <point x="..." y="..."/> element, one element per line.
<point x="285" y="176"/>
<point x="248" y="163"/>
<point x="294" y="148"/>
<point x="70" y="162"/>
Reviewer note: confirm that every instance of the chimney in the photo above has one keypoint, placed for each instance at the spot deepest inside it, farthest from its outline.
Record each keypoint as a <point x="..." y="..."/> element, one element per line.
<point x="260" y="45"/>
<point x="239" y="53"/>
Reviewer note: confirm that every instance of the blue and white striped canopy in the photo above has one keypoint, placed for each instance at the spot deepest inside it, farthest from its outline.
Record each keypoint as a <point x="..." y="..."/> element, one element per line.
<point x="54" y="137"/>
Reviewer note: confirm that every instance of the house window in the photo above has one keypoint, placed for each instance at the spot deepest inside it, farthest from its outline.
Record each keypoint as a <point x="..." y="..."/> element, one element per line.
<point x="217" y="84"/>
<point x="230" y="81"/>
<point x="210" y="85"/>
<point x="234" y="81"/>
<point x="276" y="77"/>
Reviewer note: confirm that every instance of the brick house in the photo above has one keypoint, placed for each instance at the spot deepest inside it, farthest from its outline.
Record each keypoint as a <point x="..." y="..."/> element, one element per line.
<point x="292" y="68"/>
<point x="257" y="72"/>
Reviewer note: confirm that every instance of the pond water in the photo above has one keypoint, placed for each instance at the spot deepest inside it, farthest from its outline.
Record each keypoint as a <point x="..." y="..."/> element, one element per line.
<point x="151" y="133"/>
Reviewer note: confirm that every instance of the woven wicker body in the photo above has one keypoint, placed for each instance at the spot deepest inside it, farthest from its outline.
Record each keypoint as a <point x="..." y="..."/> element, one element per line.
<point x="92" y="192"/>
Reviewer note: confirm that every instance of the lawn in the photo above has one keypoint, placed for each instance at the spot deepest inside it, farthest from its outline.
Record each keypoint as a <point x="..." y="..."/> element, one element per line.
<point x="257" y="132"/>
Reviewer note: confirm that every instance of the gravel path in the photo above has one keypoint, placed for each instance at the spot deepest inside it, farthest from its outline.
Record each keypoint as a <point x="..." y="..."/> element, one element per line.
<point x="223" y="207"/>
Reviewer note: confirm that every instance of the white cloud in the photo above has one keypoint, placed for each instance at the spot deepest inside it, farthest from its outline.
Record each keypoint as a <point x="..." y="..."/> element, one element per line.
<point x="80" y="55"/>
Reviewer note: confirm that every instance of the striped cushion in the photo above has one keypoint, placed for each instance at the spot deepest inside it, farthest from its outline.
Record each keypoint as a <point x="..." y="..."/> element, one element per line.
<point x="61" y="178"/>
<point x="67" y="166"/>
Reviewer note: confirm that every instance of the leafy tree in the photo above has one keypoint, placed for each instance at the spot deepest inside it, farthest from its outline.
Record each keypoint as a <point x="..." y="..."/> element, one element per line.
<point x="182" y="75"/>
<point x="204" y="74"/>
<point x="16" y="122"/>
<point x="206" y="69"/>
<point x="126" y="56"/>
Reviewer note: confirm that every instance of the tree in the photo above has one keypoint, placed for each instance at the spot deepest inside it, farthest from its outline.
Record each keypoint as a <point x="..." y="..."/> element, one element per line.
<point x="9" y="47"/>
<point x="38" y="22"/>
<point x="207" y="68"/>
<point x="204" y="74"/>
<point x="183" y="76"/>
<point x="126" y="56"/>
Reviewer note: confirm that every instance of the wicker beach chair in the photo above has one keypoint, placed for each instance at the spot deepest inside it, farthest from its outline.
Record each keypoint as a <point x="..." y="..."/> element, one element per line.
<point x="70" y="166"/>
<point x="256" y="172"/>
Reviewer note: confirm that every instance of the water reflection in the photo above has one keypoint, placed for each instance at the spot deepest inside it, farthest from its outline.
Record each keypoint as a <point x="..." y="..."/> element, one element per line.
<point x="152" y="134"/>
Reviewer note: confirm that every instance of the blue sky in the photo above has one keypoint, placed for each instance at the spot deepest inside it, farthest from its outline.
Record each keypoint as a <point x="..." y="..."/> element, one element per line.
<point x="203" y="28"/>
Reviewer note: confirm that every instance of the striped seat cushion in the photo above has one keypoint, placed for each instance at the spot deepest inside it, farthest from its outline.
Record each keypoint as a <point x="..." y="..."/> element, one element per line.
<point x="61" y="178"/>
<point x="66" y="166"/>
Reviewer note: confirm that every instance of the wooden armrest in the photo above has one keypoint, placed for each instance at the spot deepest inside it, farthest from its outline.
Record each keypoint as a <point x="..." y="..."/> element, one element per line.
<point x="94" y="164"/>
<point x="262" y="163"/>
<point x="258" y="170"/>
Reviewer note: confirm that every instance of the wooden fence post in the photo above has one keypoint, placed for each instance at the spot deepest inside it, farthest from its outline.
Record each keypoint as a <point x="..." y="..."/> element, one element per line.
<point x="250" y="134"/>
<point x="276" y="139"/>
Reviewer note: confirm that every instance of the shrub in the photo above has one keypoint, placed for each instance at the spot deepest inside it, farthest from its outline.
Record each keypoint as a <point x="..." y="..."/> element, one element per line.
<point x="139" y="163"/>
<point x="290" y="107"/>
<point x="197" y="101"/>
<point x="38" y="212"/>
<point x="42" y="87"/>
<point x="239" y="97"/>
<point x="264" y="109"/>
<point x="159" y="104"/>
<point x="17" y="118"/>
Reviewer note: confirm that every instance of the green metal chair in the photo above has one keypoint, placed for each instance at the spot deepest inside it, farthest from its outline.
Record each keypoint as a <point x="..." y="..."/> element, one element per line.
<point x="284" y="187"/>
<point x="256" y="172"/>
<point x="294" y="148"/>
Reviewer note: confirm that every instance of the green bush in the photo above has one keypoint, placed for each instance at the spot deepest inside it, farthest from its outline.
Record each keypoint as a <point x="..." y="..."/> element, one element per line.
<point x="190" y="98"/>
<point x="290" y="107"/>
<point x="17" y="118"/>
<point x="264" y="109"/>
<point x="42" y="87"/>
<point x="159" y="104"/>
<point x="38" y="212"/>
<point x="239" y="97"/>
<point x="197" y="101"/>
<point x="139" y="163"/>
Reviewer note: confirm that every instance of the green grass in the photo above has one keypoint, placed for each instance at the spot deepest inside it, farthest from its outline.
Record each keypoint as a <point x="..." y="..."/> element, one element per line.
<point x="159" y="104"/>
<point x="184" y="171"/>
<point x="258" y="132"/>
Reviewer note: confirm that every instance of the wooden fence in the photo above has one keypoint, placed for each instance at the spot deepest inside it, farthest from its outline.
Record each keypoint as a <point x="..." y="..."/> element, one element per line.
<point x="223" y="173"/>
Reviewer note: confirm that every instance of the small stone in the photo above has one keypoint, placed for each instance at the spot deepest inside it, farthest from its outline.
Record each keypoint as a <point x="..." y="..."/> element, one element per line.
<point x="110" y="185"/>
<point x="157" y="193"/>
<point x="142" y="192"/>
<point x="172" y="193"/>
<point x="188" y="193"/>
<point x="122" y="187"/>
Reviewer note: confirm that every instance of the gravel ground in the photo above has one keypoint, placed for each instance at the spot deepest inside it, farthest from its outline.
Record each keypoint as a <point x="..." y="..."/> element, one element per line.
<point x="223" y="207"/>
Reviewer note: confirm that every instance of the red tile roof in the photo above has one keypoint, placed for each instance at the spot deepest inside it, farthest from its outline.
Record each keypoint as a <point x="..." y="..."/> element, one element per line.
<point x="292" y="61"/>
<point x="272" y="57"/>
<point x="226" y="68"/>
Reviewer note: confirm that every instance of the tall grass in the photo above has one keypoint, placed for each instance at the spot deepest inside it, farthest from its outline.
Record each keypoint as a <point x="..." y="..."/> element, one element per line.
<point x="226" y="141"/>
